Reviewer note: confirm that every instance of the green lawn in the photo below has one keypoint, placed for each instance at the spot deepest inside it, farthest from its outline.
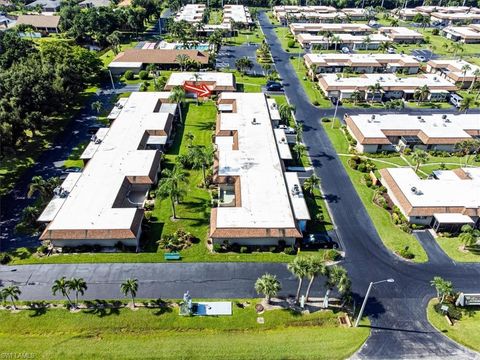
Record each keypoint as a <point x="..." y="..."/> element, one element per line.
<point x="108" y="55"/>
<point x="249" y="83"/>
<point x="137" y="334"/>
<point x="451" y="246"/>
<point x="253" y="36"/>
<point x="284" y="36"/>
<point x="465" y="331"/>
<point x="392" y="237"/>
<point x="313" y="93"/>
<point x="429" y="105"/>
<point x="216" y="17"/>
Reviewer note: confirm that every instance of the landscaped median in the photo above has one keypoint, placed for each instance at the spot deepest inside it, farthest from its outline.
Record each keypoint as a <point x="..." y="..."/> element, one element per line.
<point x="465" y="331"/>
<point x="159" y="331"/>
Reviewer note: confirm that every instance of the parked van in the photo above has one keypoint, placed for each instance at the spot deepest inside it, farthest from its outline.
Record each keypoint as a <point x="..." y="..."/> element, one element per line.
<point x="455" y="100"/>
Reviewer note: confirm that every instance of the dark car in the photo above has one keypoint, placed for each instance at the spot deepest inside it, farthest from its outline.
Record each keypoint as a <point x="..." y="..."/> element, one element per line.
<point x="319" y="241"/>
<point x="92" y="129"/>
<point x="272" y="82"/>
<point x="334" y="101"/>
<point x="275" y="87"/>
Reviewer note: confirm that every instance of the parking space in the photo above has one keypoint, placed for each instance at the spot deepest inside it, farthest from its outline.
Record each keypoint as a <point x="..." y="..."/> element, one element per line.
<point x="229" y="54"/>
<point x="424" y="54"/>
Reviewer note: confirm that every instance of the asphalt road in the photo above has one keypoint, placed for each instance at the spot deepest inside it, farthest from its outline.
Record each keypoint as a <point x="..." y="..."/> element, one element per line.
<point x="397" y="311"/>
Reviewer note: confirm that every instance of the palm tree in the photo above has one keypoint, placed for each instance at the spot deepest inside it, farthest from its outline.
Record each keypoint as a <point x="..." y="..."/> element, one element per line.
<point x="13" y="292"/>
<point x="298" y="131"/>
<point x="316" y="268"/>
<point x="266" y="68"/>
<point x="394" y="22"/>
<point x="356" y="96"/>
<point x="267" y="285"/>
<point x="467" y="239"/>
<point x="337" y="277"/>
<point x="130" y="287"/>
<point x="419" y="157"/>
<point x="374" y="89"/>
<point x="97" y="106"/>
<point x="466" y="104"/>
<point x="312" y="183"/>
<point x="300" y="150"/>
<point x="243" y="64"/>
<point x="443" y="287"/>
<point x="476" y="74"/>
<point x="468" y="147"/>
<point x="384" y="46"/>
<point x="299" y="267"/>
<point x="169" y="188"/>
<point x="336" y="40"/>
<point x="79" y="286"/>
<point x="177" y="95"/>
<point x="175" y="176"/>
<point x="465" y="68"/>
<point x="114" y="40"/>
<point x="421" y="93"/>
<point x="61" y="285"/>
<point x="202" y="158"/>
<point x="182" y="60"/>
<point x="286" y="111"/>
<point x="367" y="41"/>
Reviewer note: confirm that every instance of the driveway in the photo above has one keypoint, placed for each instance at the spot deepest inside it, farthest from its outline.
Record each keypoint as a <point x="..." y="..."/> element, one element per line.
<point x="227" y="56"/>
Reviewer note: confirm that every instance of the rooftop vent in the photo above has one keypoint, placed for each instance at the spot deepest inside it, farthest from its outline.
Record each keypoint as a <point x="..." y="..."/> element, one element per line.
<point x="254" y="121"/>
<point x="416" y="191"/>
<point x="295" y="190"/>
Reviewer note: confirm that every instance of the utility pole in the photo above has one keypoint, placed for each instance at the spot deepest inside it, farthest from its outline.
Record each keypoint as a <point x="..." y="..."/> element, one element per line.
<point x="360" y="314"/>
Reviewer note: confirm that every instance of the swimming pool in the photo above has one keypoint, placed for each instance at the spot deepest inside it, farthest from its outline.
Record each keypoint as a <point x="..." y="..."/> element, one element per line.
<point x="198" y="47"/>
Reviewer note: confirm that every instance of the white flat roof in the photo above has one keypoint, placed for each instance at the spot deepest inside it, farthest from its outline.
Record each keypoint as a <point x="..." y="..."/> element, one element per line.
<point x="299" y="204"/>
<point x="237" y="13"/>
<point x="191" y="13"/>
<point x="126" y="64"/>
<point x="434" y="126"/>
<point x="282" y="144"/>
<point x="89" y="203"/>
<point x="345" y="38"/>
<point x="264" y="197"/>
<point x="434" y="82"/>
<point x="453" y="218"/>
<point x="117" y="108"/>
<point x="454" y="66"/>
<point x="401" y="31"/>
<point x="220" y="78"/>
<point x="445" y="192"/>
<point x="462" y="31"/>
<point x="375" y="59"/>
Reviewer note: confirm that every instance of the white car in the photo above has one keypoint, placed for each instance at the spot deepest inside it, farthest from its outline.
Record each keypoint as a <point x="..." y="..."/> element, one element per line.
<point x="345" y="50"/>
<point x="421" y="58"/>
<point x="391" y="50"/>
<point x="287" y="129"/>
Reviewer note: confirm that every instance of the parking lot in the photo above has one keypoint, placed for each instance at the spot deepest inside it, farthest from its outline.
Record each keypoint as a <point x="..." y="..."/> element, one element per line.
<point x="229" y="54"/>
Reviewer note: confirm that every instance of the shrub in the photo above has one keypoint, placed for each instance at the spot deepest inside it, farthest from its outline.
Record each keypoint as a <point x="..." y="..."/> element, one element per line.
<point x="291" y="43"/>
<point x="5" y="258"/>
<point x="407" y="151"/>
<point x="177" y="241"/>
<point x="272" y="248"/>
<point x="452" y="311"/>
<point x="406" y="253"/>
<point x="217" y="248"/>
<point x="326" y="120"/>
<point x="290" y="250"/>
<point x="128" y="75"/>
<point x="42" y="249"/>
<point x="435" y="31"/>
<point x="22" y="253"/>
<point x="315" y="103"/>
<point x="243" y="250"/>
<point x="143" y="75"/>
<point x="331" y="255"/>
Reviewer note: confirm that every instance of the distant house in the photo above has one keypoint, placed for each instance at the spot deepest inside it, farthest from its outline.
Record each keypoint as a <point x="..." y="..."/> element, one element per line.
<point x="44" y="23"/>
<point x="215" y="81"/>
<point x="137" y="59"/>
<point x="94" y="3"/>
<point x="46" y="5"/>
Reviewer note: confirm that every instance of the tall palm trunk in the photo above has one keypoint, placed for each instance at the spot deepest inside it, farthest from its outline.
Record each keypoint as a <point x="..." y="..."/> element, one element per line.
<point x="172" y="200"/>
<point x="310" y="283"/>
<point x="133" y="300"/>
<point x="204" y="176"/>
<point x="297" y="296"/>
<point x="180" y="111"/>
<point x="13" y="303"/>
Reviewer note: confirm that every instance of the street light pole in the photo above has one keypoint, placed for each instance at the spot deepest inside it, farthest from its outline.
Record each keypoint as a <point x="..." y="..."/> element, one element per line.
<point x="335" y="113"/>
<point x="360" y="314"/>
<point x="111" y="79"/>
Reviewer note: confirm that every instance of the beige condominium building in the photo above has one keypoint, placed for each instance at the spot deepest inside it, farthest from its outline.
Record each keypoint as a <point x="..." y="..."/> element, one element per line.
<point x="323" y="28"/>
<point x="363" y="41"/>
<point x="458" y="71"/>
<point x="192" y="13"/>
<point x="362" y="63"/>
<point x="215" y="81"/>
<point x="442" y="15"/>
<point x="287" y="13"/>
<point x="46" y="23"/>
<point x="446" y="201"/>
<point x="392" y="86"/>
<point x="103" y="205"/>
<point x="259" y="202"/>
<point x="467" y="34"/>
<point x="396" y="132"/>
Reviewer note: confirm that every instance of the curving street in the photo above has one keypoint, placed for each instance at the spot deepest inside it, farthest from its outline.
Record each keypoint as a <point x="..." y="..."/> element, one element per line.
<point x="400" y="328"/>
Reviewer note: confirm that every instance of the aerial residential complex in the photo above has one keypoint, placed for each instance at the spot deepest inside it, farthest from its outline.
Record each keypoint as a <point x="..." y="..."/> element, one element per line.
<point x="467" y="34"/>
<point x="359" y="38"/>
<point x="392" y="86"/>
<point x="396" y="132"/>
<point x="362" y="63"/>
<point x="137" y="59"/>
<point x="446" y="201"/>
<point x="215" y="81"/>
<point x="259" y="203"/>
<point x="458" y="71"/>
<point x="103" y="205"/>
<point x="296" y="13"/>
<point x="441" y="15"/>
